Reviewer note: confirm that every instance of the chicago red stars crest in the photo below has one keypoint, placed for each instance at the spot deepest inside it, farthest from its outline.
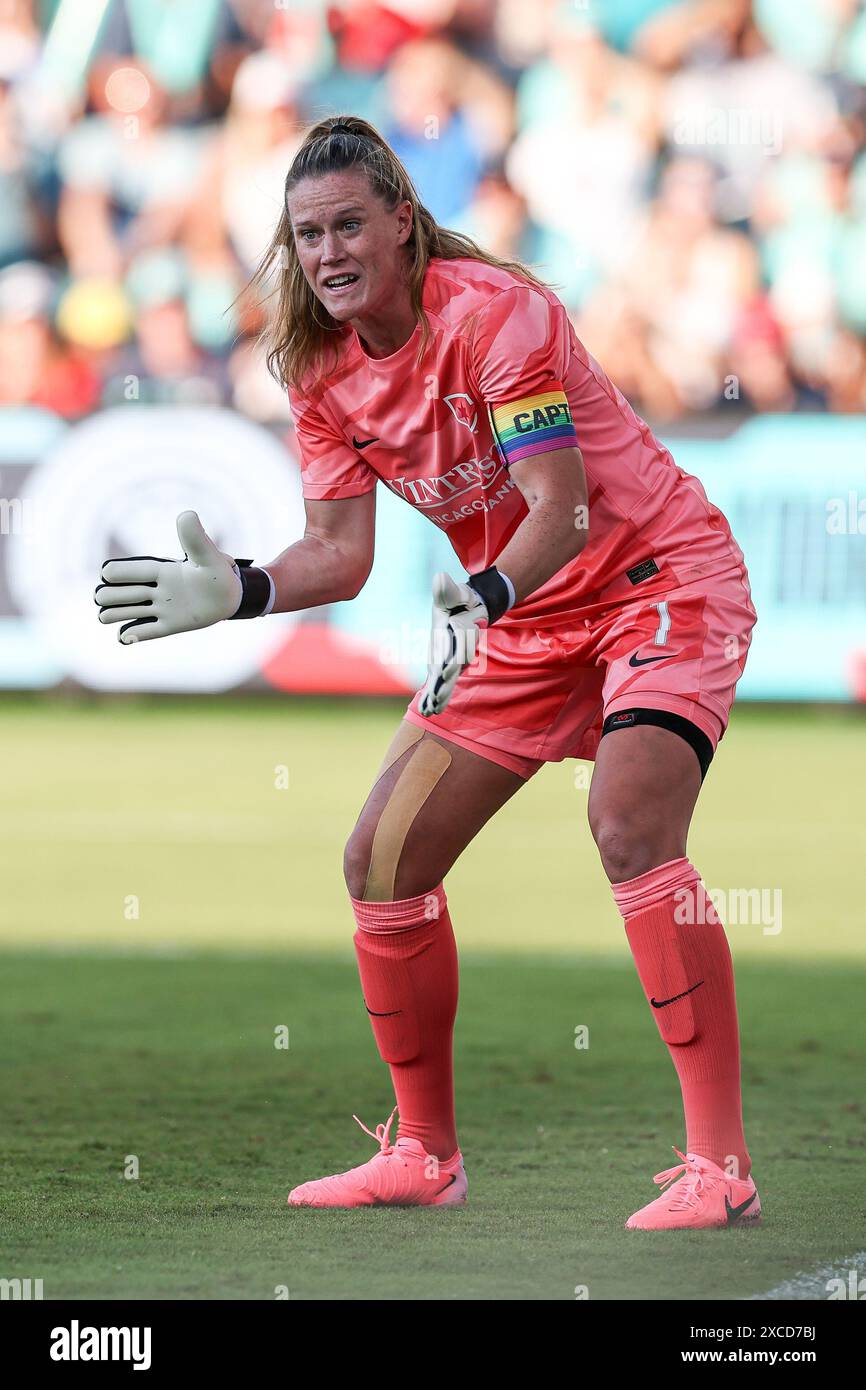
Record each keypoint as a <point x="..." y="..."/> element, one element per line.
<point x="463" y="408"/>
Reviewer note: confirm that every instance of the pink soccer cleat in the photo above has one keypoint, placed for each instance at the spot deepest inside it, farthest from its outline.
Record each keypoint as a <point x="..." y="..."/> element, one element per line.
<point x="399" y="1175"/>
<point x="703" y="1196"/>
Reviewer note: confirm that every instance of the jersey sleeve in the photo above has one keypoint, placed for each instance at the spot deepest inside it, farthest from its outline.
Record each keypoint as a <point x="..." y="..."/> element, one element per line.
<point x="520" y="351"/>
<point x="330" y="468"/>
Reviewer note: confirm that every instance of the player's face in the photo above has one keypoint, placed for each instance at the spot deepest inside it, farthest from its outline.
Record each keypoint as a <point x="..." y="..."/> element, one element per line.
<point x="349" y="244"/>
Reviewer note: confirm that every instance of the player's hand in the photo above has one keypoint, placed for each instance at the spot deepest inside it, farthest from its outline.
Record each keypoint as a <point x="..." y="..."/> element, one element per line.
<point x="154" y="598"/>
<point x="458" y="612"/>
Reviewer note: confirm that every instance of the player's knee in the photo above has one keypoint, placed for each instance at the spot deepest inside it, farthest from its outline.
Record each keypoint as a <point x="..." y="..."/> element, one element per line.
<point x="356" y="861"/>
<point x="385" y="858"/>
<point x="626" y="846"/>
<point x="415" y="870"/>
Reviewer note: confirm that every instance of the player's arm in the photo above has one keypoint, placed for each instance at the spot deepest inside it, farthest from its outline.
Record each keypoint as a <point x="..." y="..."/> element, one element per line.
<point x="553" y="532"/>
<point x="332" y="561"/>
<point x="556" y="527"/>
<point x="519" y="354"/>
<point x="520" y="358"/>
<point x="152" y="597"/>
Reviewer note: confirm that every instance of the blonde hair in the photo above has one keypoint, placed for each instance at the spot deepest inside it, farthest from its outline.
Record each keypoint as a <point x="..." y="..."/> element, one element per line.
<point x="298" y="337"/>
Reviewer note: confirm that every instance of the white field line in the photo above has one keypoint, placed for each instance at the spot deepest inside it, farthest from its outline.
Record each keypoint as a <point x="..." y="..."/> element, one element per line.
<point x="813" y="1286"/>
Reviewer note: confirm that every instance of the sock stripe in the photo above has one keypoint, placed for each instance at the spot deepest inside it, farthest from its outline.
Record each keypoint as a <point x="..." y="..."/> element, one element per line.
<point x="401" y="914"/>
<point x="653" y="887"/>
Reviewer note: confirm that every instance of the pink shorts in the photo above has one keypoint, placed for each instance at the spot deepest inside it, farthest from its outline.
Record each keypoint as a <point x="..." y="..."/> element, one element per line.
<point x="537" y="695"/>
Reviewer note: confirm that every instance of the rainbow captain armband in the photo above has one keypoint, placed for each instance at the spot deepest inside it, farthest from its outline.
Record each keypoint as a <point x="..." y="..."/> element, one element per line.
<point x="533" y="424"/>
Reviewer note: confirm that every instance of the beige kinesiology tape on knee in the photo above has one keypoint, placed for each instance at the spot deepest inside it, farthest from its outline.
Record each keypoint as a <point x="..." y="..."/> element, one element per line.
<point x="657" y="947"/>
<point x="422" y="771"/>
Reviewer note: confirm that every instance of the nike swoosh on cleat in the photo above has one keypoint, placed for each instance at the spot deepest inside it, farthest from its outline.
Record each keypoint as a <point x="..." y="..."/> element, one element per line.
<point x="452" y="1179"/>
<point x="735" y="1212"/>
<point x="636" y="660"/>
<point x="362" y="443"/>
<point x="660" y="1004"/>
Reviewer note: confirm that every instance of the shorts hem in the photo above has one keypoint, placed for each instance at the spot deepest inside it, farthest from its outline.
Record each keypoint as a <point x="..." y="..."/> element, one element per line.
<point x="526" y="765"/>
<point x="520" y="763"/>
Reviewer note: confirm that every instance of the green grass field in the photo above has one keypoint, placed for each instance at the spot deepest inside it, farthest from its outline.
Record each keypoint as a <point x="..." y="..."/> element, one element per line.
<point x="166" y="908"/>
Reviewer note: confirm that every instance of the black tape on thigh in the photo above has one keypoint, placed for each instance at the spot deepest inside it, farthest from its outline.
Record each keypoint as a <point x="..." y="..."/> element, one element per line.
<point x="663" y="719"/>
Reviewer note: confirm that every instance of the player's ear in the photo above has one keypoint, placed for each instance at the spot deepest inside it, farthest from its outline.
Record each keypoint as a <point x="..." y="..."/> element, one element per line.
<point x="405" y="221"/>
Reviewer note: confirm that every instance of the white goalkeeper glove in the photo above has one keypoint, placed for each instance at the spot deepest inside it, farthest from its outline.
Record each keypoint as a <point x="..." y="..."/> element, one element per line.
<point x="153" y="597"/>
<point x="457" y="612"/>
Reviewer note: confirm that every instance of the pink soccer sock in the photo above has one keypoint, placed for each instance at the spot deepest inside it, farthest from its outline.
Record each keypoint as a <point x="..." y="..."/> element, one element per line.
<point x="684" y="963"/>
<point x="407" y="958"/>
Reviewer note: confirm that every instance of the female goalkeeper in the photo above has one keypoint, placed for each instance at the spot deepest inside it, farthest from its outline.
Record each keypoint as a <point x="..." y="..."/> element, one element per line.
<point x="605" y="614"/>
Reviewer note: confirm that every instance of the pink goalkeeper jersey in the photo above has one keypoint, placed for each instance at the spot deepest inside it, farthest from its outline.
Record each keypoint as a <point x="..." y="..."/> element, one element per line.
<point x="504" y="378"/>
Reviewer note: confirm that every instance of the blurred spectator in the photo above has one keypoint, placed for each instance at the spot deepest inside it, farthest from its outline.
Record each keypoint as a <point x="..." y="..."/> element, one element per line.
<point x="428" y="127"/>
<point x="185" y="47"/>
<point x="369" y="34"/>
<point x="36" y="368"/>
<point x="499" y="219"/>
<point x="813" y="34"/>
<point x="126" y="173"/>
<point x="19" y="38"/>
<point x="165" y="364"/>
<point x="688" y="281"/>
<point x="759" y="361"/>
<point x="237" y="200"/>
<point x="19" y="228"/>
<point x="233" y="210"/>
<point x="744" y="108"/>
<point x="588" y="134"/>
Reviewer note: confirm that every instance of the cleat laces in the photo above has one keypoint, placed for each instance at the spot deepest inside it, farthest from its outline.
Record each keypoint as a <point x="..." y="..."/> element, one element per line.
<point x="692" y="1179"/>
<point x="381" y="1133"/>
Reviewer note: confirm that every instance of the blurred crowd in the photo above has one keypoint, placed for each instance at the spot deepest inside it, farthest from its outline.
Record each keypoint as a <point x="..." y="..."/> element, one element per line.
<point x="689" y="175"/>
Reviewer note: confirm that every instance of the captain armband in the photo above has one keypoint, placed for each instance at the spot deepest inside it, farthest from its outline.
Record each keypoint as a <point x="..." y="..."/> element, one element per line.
<point x="535" y="424"/>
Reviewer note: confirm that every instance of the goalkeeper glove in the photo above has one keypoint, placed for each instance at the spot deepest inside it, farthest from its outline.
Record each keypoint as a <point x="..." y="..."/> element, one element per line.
<point x="459" y="610"/>
<point x="153" y="597"/>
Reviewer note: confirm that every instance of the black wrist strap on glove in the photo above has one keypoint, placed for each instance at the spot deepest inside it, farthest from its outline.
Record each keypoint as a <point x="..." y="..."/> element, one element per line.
<point x="257" y="590"/>
<point x="492" y="588"/>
